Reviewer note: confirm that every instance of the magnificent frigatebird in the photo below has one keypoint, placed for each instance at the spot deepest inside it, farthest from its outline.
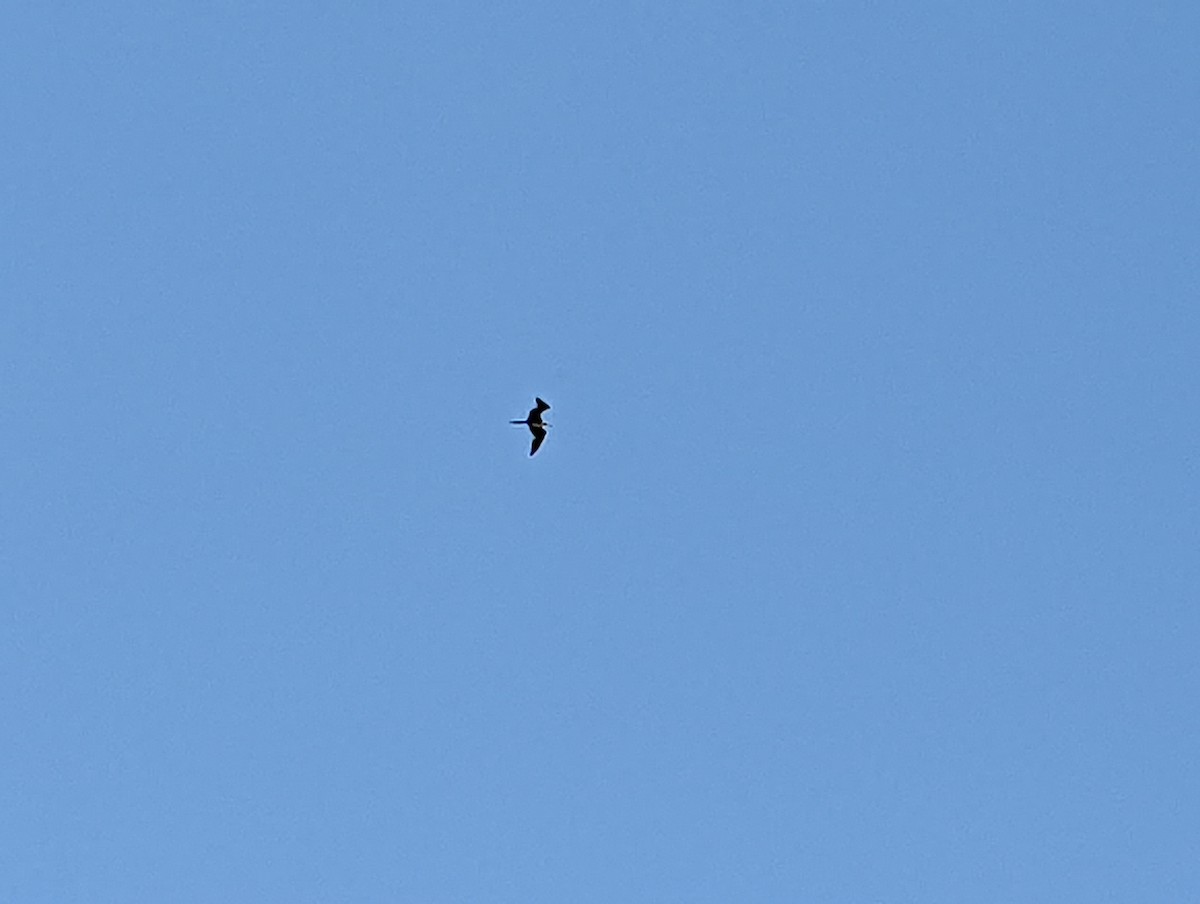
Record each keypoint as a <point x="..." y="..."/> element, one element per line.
<point x="535" y="423"/>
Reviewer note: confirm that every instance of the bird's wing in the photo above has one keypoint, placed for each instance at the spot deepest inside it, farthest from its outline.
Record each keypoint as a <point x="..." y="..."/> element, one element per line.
<point x="541" y="406"/>
<point x="539" y="434"/>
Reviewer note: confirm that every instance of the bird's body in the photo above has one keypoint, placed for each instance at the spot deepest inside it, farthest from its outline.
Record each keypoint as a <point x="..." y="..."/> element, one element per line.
<point x="535" y="423"/>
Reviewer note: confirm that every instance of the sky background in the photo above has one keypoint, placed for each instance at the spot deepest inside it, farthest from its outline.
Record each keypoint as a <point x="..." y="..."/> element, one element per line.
<point x="861" y="562"/>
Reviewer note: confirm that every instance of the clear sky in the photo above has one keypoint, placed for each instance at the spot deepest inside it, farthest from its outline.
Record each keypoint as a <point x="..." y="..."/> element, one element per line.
<point x="861" y="563"/>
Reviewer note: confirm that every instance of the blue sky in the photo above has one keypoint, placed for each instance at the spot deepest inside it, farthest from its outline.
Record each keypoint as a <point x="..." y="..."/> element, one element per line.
<point x="860" y="564"/>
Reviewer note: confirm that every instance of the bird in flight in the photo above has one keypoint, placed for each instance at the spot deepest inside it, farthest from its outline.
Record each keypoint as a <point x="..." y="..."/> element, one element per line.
<point x="536" y="425"/>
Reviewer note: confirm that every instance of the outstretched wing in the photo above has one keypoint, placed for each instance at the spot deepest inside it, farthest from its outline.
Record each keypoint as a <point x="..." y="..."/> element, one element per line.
<point x="541" y="406"/>
<point x="539" y="434"/>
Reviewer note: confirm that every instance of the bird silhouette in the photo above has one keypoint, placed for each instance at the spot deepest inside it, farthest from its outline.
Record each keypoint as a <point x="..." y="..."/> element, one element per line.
<point x="535" y="424"/>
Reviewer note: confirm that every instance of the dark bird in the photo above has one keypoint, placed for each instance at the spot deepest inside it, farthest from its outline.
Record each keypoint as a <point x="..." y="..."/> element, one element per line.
<point x="536" y="425"/>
